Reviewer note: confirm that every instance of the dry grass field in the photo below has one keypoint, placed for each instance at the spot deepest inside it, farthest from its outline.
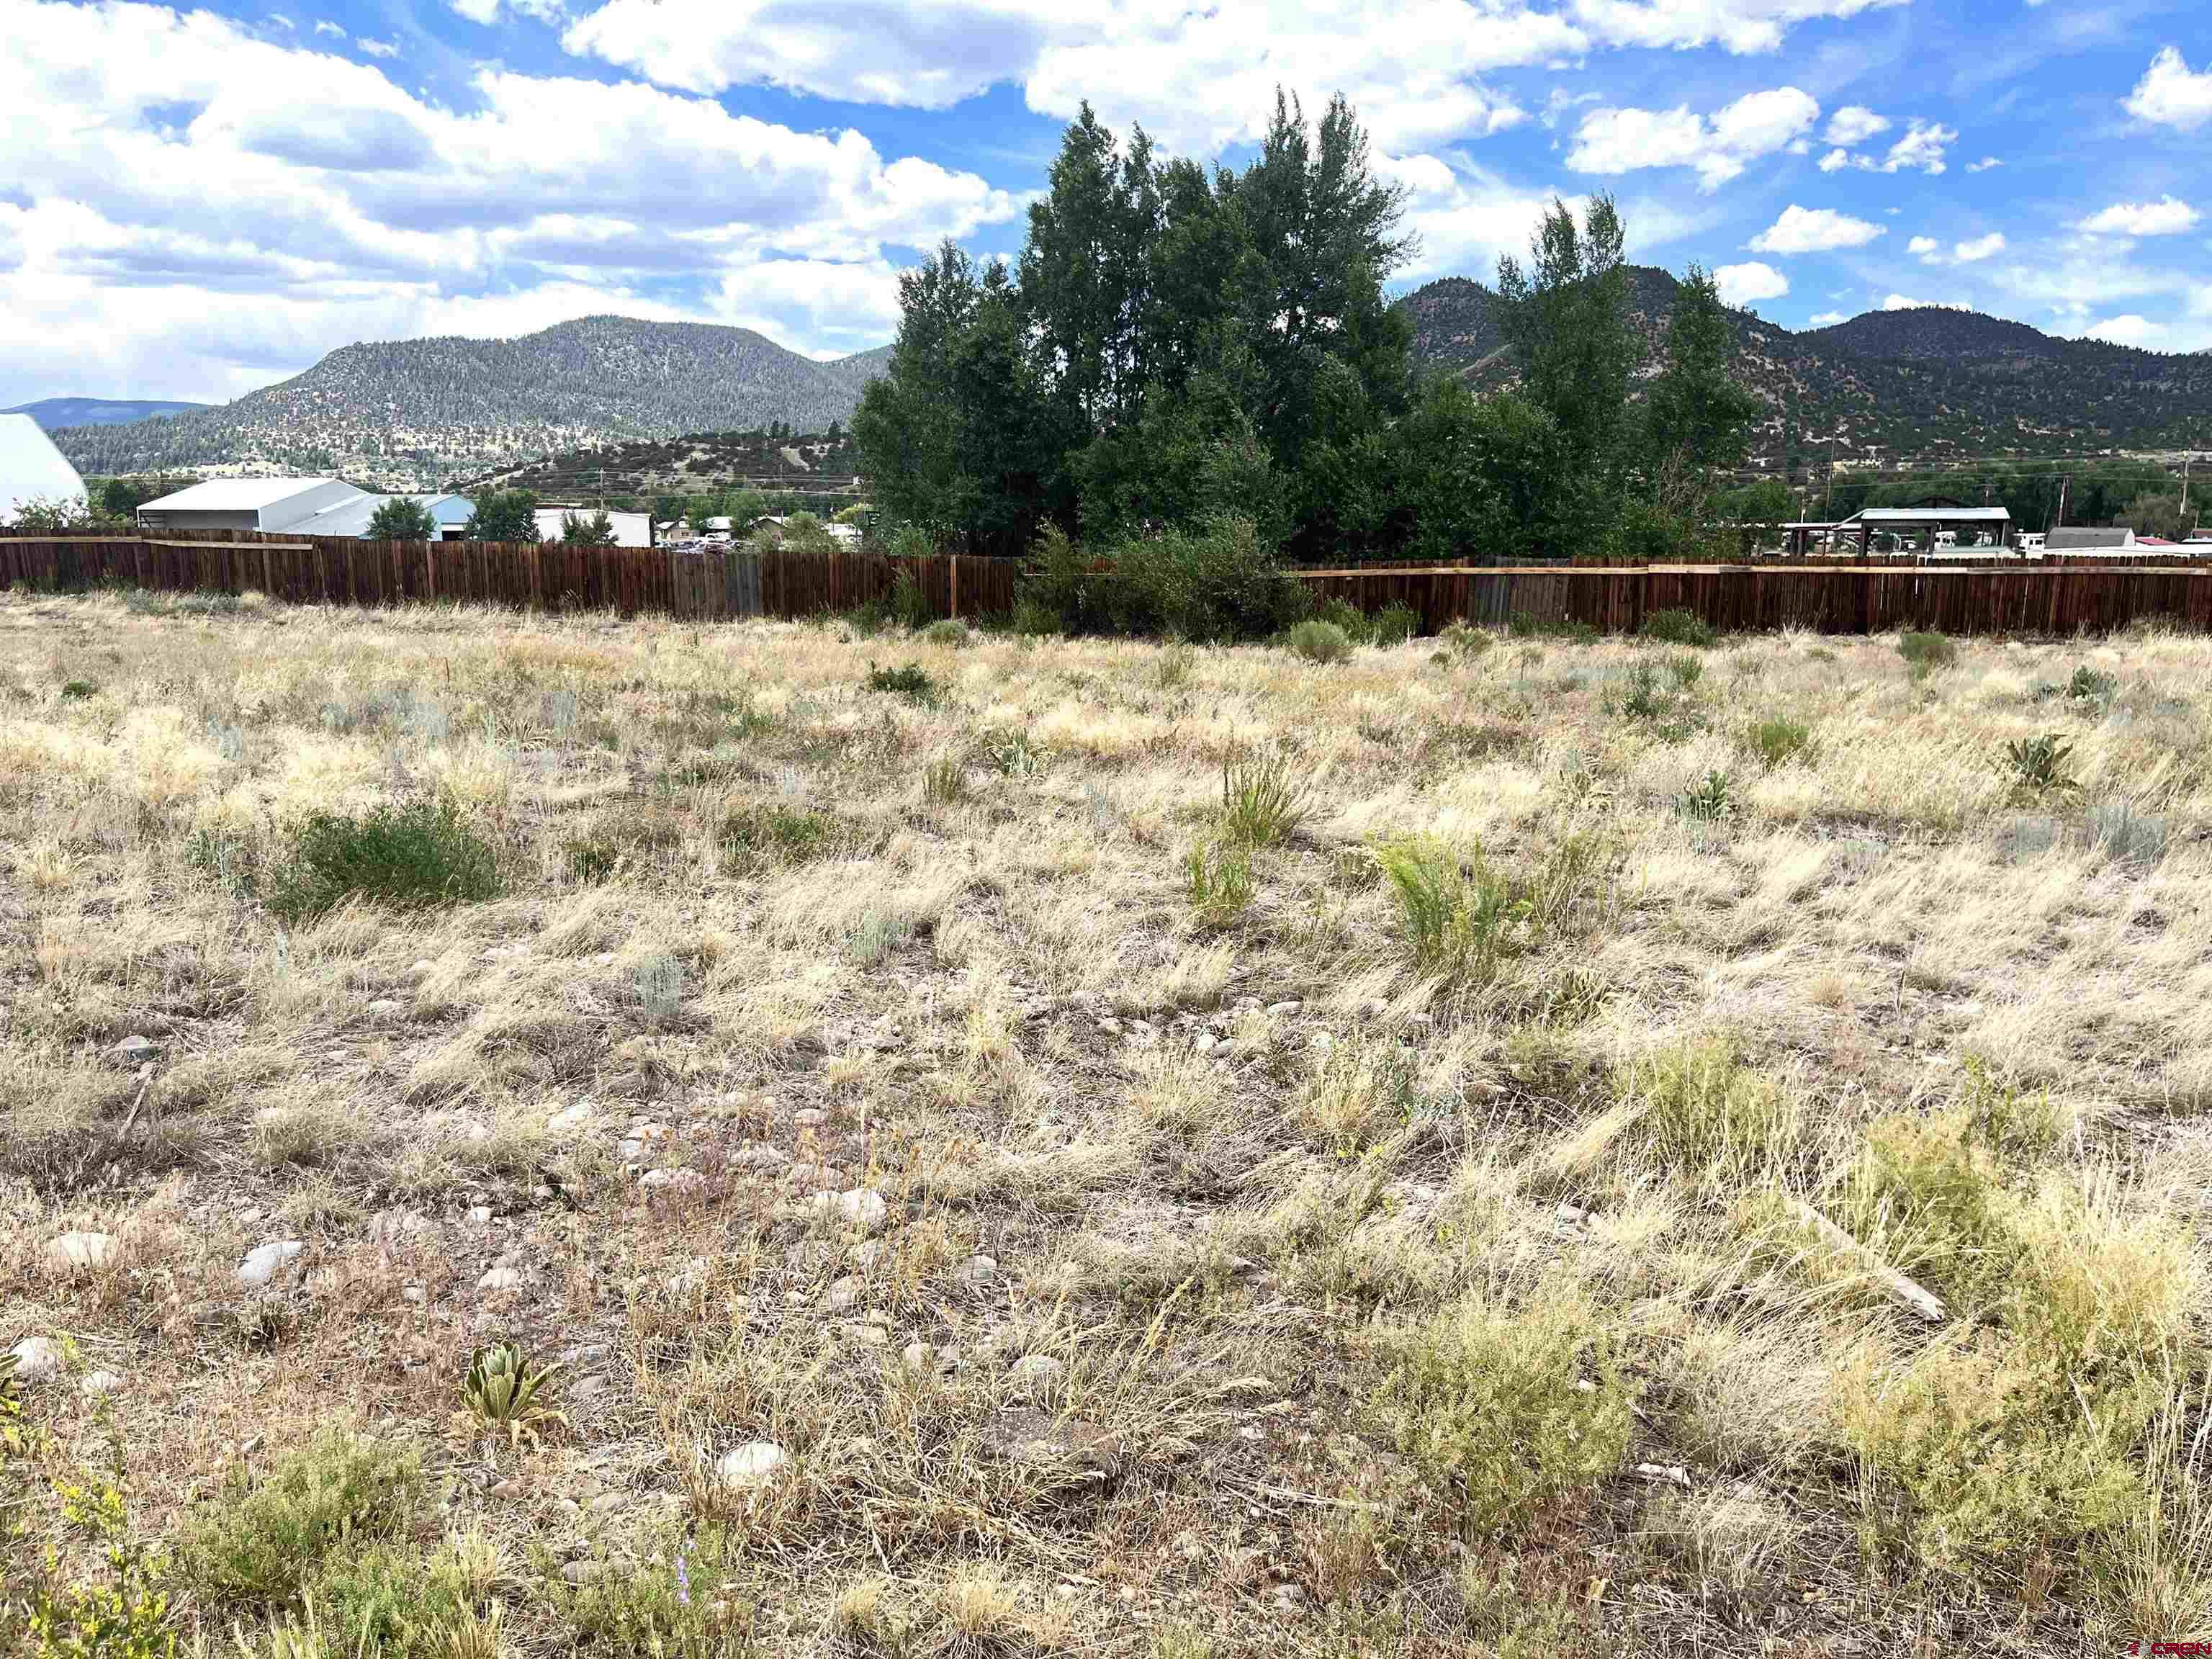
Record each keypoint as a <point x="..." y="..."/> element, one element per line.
<point x="1515" y="1146"/>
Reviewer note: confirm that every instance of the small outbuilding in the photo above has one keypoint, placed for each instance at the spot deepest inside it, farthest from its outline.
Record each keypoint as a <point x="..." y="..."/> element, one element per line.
<point x="32" y="469"/>
<point x="1923" y="529"/>
<point x="449" y="516"/>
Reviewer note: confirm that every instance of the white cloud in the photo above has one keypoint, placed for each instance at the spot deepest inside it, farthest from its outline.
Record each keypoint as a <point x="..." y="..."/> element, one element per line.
<point x="1922" y="147"/>
<point x="1983" y="165"/>
<point x="1758" y="123"/>
<point x="1906" y="302"/>
<point x="1854" y="124"/>
<point x="2167" y="217"/>
<point x="1981" y="247"/>
<point x="194" y="209"/>
<point x="324" y="25"/>
<point x="477" y="11"/>
<point x="1922" y="248"/>
<point x="1815" y="230"/>
<point x="2129" y="330"/>
<point x="1739" y="26"/>
<point x="1835" y="160"/>
<point x="1827" y="319"/>
<point x="2172" y="94"/>
<point x="1740" y="285"/>
<point x="379" y="48"/>
<point x="1190" y="73"/>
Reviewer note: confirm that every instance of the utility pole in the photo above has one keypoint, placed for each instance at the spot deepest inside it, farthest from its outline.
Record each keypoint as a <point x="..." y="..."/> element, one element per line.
<point x="2060" y="517"/>
<point x="2186" y="460"/>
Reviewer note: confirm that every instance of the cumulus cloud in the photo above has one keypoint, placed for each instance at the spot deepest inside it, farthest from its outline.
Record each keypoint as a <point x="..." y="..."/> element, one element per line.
<point x="194" y="208"/>
<point x="1854" y="123"/>
<point x="1983" y="165"/>
<point x="1923" y="247"/>
<point x="1827" y="319"/>
<point x="1743" y="284"/>
<point x="324" y="25"/>
<point x="1906" y="302"/>
<point x="1737" y="25"/>
<point x="1718" y="150"/>
<point x="1922" y="148"/>
<point x="2167" y="217"/>
<point x="379" y="48"/>
<point x="1815" y="230"/>
<point x="2172" y="94"/>
<point x="2128" y="329"/>
<point x="1980" y="248"/>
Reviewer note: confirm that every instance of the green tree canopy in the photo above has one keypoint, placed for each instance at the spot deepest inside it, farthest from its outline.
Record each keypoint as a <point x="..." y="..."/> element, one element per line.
<point x="592" y="528"/>
<point x="504" y="515"/>
<point x="401" y="518"/>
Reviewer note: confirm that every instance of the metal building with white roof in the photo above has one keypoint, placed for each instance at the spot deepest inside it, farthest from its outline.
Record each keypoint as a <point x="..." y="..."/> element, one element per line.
<point x="265" y="504"/>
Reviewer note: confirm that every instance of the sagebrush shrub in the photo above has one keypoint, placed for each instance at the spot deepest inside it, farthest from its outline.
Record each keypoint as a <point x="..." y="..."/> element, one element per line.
<point x="1777" y="742"/>
<point x="414" y="856"/>
<point x="774" y="830"/>
<point x="259" y="1541"/>
<point x="1927" y="652"/>
<point x="1487" y="1404"/>
<point x="1393" y="625"/>
<point x="1703" y="1110"/>
<point x="1318" y="641"/>
<point x="1677" y="628"/>
<point x="1218" y="879"/>
<point x="909" y="680"/>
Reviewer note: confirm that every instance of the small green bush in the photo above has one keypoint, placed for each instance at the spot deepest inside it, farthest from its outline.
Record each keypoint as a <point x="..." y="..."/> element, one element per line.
<point x="1705" y="1110"/>
<point x="1393" y="625"/>
<point x="1262" y="800"/>
<point x="260" y="1541"/>
<point x="1319" y="641"/>
<point x="1467" y="643"/>
<point x="1777" y="742"/>
<point x="909" y="680"/>
<point x="1685" y="670"/>
<point x="1218" y="879"/>
<point x="947" y="630"/>
<point x="1488" y="1405"/>
<point x="1708" y="802"/>
<point x="1927" y="652"/>
<point x="1358" y="626"/>
<point x="2087" y="685"/>
<point x="1677" y="628"/>
<point x="1523" y="626"/>
<point x="790" y="833"/>
<point x="414" y="856"/>
<point x="1461" y="917"/>
<point x="77" y="690"/>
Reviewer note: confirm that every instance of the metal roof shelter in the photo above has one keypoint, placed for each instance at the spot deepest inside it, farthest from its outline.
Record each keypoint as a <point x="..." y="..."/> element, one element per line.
<point x="1868" y="522"/>
<point x="31" y="468"/>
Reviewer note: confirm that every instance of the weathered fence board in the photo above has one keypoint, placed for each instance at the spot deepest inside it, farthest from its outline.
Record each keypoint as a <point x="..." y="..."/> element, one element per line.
<point x="1827" y="595"/>
<point x="1824" y="598"/>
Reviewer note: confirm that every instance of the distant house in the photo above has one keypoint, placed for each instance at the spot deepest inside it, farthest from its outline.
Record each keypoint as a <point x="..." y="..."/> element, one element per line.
<point x="2089" y="538"/>
<point x="265" y="504"/>
<point x="1878" y="529"/>
<point x="32" y="469"/>
<point x="449" y="513"/>
<point x="631" y="529"/>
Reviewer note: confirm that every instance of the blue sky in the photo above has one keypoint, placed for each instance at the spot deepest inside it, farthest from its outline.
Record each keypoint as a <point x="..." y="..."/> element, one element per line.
<point x="196" y="203"/>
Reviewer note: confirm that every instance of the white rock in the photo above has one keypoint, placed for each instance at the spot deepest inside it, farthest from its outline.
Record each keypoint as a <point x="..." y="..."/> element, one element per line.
<point x="263" y="1260"/>
<point x="135" y="1048"/>
<point x="862" y="1207"/>
<point x="422" y="967"/>
<point x="1206" y="1043"/>
<point x="867" y="1335"/>
<point x="1037" y="1368"/>
<point x="752" y="1465"/>
<point x="844" y="1293"/>
<point x="689" y="1279"/>
<point x="674" y="1181"/>
<point x="36" y="1359"/>
<point x="481" y="1214"/>
<point x="1292" y="1006"/>
<point x="570" y="1118"/>
<point x="100" y="1383"/>
<point x="917" y="1357"/>
<point x="80" y="1252"/>
<point x="499" y="1279"/>
<point x="384" y="1008"/>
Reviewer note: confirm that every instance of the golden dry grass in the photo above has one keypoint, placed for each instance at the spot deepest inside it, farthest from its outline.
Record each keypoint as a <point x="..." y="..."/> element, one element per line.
<point x="1167" y="1194"/>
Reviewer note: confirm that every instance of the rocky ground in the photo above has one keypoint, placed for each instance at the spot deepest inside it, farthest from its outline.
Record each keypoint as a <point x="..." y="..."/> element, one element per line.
<point x="1102" y="1147"/>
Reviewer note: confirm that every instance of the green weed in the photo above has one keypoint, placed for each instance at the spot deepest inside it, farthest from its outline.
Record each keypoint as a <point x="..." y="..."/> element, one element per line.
<point x="909" y="680"/>
<point x="1218" y="880"/>
<point x="1677" y="628"/>
<point x="416" y="856"/>
<point x="1318" y="641"/>
<point x="1262" y="802"/>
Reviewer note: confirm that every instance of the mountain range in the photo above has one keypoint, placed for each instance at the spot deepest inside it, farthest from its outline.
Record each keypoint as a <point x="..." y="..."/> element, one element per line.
<point x="54" y="412"/>
<point x="408" y="414"/>
<point x="1922" y="384"/>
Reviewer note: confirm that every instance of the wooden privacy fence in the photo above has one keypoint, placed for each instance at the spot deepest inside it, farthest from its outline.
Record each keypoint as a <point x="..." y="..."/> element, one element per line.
<point x="539" y="576"/>
<point x="1825" y="599"/>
